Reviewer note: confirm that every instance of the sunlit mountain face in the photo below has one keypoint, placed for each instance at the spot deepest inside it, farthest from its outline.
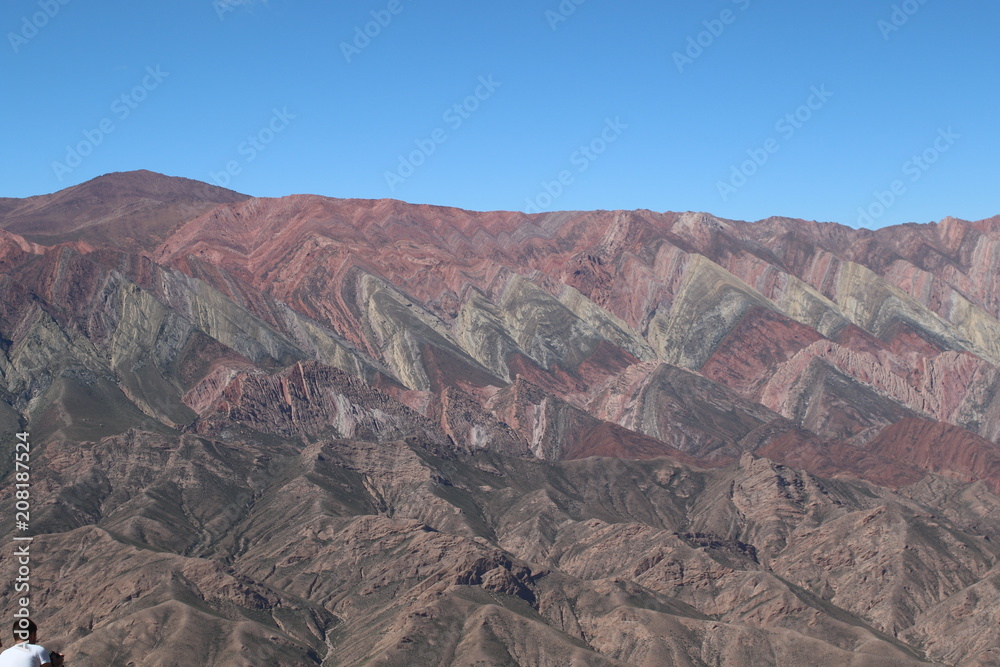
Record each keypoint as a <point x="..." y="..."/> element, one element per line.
<point x="321" y="431"/>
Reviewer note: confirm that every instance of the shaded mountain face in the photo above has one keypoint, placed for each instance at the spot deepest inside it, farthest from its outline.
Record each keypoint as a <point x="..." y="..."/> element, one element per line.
<point x="319" y="431"/>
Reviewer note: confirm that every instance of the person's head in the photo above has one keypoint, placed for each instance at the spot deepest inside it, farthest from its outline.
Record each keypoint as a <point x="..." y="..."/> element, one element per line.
<point x="25" y="630"/>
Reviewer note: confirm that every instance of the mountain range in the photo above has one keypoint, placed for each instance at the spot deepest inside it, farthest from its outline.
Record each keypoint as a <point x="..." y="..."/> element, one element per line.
<point x="307" y="430"/>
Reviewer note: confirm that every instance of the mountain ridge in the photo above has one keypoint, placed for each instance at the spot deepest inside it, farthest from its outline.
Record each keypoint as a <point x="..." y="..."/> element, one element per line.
<point x="373" y="432"/>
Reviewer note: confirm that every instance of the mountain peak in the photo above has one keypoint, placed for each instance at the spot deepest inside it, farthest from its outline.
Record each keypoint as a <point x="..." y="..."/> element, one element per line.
<point x="135" y="209"/>
<point x="145" y="183"/>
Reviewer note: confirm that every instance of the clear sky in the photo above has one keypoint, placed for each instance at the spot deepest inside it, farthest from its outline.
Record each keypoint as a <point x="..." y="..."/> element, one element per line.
<point x="817" y="109"/>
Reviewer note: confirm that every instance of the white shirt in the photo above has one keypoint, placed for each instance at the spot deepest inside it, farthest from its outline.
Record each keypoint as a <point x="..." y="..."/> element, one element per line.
<point x="24" y="655"/>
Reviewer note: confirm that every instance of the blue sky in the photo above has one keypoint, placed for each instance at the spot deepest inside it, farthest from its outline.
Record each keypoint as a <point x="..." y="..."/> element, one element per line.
<point x="865" y="112"/>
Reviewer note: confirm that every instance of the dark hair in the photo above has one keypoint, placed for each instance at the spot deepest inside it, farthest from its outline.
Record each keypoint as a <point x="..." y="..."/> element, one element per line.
<point x="22" y="629"/>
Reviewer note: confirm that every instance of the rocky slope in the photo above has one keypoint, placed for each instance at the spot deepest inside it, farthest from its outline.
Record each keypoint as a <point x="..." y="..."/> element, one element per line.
<point x="318" y="431"/>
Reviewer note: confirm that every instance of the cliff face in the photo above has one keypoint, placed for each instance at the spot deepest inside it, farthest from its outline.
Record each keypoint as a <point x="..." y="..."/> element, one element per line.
<point x="366" y="430"/>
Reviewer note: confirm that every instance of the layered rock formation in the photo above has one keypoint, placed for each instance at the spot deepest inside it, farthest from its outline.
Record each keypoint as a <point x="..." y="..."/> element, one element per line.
<point x="318" y="431"/>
